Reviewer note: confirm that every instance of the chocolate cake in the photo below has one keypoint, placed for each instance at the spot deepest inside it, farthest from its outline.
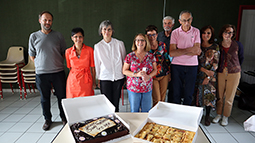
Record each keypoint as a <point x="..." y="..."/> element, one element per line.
<point x="98" y="129"/>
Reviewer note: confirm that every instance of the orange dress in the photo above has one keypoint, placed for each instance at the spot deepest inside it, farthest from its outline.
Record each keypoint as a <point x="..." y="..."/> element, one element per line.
<point x="79" y="81"/>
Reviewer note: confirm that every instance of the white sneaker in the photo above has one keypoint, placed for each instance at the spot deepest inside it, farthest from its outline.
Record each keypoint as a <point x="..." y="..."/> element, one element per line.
<point x="216" y="119"/>
<point x="224" y="121"/>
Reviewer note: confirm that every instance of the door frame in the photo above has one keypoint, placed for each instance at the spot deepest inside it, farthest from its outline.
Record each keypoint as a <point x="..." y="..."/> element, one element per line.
<point x="240" y="13"/>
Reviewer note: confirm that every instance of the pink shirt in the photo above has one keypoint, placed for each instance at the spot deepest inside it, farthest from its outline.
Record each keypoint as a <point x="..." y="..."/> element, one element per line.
<point x="185" y="40"/>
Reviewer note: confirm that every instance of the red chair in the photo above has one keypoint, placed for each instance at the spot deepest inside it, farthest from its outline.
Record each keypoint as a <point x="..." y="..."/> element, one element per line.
<point x="28" y="76"/>
<point x="10" y="68"/>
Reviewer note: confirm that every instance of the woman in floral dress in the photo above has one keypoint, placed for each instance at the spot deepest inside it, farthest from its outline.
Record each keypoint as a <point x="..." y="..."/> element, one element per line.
<point x="139" y="67"/>
<point x="205" y="94"/>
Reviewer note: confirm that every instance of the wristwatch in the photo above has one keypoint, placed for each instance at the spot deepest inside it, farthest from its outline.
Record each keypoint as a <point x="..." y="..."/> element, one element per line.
<point x="209" y="77"/>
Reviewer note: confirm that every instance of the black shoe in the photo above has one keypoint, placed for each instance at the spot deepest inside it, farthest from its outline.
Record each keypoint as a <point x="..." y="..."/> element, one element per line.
<point x="207" y="120"/>
<point x="46" y="125"/>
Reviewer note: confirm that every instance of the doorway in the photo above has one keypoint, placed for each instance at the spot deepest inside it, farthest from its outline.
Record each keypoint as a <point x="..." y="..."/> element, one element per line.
<point x="246" y="35"/>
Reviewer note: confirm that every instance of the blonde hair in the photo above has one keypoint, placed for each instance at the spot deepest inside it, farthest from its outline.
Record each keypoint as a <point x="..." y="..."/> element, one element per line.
<point x="147" y="46"/>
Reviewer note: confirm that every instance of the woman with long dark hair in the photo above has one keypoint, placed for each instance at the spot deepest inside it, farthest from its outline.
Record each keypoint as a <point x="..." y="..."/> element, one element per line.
<point x="206" y="85"/>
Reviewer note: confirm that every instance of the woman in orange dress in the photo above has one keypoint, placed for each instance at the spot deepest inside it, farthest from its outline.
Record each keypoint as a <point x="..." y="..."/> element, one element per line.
<point x="80" y="61"/>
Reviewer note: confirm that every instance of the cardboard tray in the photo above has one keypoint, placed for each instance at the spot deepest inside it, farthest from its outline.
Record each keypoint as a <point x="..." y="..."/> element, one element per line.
<point x="84" y="108"/>
<point x="174" y="115"/>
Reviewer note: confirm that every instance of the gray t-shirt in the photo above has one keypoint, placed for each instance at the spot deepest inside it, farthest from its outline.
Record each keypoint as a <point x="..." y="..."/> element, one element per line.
<point x="48" y="50"/>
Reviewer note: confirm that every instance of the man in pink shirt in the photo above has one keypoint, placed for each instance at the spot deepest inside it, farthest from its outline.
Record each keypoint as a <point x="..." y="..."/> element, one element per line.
<point x="184" y="47"/>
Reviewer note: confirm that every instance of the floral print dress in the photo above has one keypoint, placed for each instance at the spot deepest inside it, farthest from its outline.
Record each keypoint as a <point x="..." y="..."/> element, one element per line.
<point x="205" y="95"/>
<point x="136" y="84"/>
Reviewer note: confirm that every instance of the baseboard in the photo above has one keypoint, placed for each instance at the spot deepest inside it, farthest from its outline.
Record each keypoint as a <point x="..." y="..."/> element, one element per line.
<point x="17" y="90"/>
<point x="97" y="91"/>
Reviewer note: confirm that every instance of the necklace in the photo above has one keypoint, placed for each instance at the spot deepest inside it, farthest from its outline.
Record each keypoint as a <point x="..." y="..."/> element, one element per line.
<point x="140" y="56"/>
<point x="78" y="52"/>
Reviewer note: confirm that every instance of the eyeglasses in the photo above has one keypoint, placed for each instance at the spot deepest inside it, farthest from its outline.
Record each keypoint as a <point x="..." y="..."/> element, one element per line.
<point x="139" y="40"/>
<point x="184" y="20"/>
<point x="207" y="33"/>
<point x="230" y="33"/>
<point x="150" y="35"/>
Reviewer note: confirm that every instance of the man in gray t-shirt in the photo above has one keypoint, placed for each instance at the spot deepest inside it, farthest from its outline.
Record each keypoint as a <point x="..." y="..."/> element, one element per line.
<point x="47" y="50"/>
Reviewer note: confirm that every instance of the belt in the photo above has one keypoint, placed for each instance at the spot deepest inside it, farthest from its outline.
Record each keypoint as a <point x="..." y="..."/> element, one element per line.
<point x="82" y="73"/>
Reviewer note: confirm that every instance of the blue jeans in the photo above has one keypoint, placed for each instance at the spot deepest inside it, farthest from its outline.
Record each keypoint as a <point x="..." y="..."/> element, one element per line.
<point x="183" y="83"/>
<point x="140" y="100"/>
<point x="44" y="84"/>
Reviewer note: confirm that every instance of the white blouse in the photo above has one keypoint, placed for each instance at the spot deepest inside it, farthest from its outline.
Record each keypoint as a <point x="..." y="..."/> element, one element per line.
<point x="109" y="59"/>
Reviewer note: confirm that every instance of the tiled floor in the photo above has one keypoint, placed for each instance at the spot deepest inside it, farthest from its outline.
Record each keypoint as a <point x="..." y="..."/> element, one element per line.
<point x="21" y="122"/>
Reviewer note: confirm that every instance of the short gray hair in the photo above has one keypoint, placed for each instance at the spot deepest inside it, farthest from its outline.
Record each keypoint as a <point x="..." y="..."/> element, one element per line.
<point x="184" y="11"/>
<point x="169" y="18"/>
<point x="103" y="24"/>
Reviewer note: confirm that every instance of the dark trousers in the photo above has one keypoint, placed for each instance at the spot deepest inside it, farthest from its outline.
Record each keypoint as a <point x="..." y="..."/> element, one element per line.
<point x="44" y="84"/>
<point x="183" y="83"/>
<point x="112" y="90"/>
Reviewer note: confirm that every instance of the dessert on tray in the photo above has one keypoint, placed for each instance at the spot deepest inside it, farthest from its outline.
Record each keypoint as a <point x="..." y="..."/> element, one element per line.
<point x="164" y="134"/>
<point x="98" y="129"/>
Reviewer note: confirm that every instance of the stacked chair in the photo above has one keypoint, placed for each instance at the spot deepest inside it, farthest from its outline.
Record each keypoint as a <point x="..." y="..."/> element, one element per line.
<point x="28" y="76"/>
<point x="10" y="68"/>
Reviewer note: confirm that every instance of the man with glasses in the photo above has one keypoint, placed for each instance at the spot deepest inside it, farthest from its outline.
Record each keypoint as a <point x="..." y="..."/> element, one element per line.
<point x="184" y="47"/>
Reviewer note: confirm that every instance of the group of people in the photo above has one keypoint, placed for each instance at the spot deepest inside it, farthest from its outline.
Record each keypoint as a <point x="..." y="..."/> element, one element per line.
<point x="179" y="60"/>
<point x="204" y="73"/>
